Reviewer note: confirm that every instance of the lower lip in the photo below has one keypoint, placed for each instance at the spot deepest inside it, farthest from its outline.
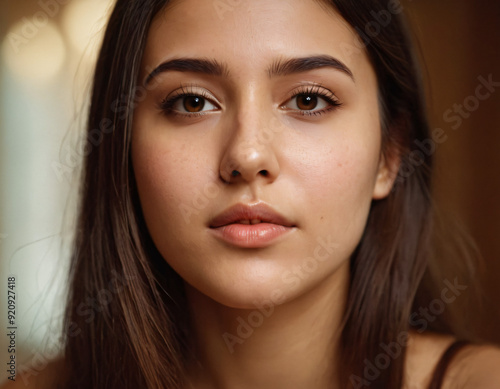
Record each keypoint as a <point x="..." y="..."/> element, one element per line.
<point x="251" y="235"/>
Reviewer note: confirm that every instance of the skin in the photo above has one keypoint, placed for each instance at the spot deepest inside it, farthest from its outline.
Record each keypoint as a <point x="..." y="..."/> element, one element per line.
<point x="331" y="164"/>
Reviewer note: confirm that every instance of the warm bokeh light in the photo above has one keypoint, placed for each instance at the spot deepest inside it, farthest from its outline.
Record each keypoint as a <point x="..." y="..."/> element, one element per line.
<point x="36" y="57"/>
<point x="83" y="23"/>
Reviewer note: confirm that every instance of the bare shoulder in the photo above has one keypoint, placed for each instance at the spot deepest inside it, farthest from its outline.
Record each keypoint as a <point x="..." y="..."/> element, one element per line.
<point x="423" y="354"/>
<point x="475" y="367"/>
<point x="472" y="367"/>
<point x="45" y="378"/>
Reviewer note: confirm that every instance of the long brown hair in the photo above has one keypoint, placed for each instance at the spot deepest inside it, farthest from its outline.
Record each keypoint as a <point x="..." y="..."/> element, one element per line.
<point x="125" y="325"/>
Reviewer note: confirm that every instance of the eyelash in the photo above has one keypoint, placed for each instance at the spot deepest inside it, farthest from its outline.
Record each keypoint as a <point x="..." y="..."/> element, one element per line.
<point x="318" y="91"/>
<point x="167" y="104"/>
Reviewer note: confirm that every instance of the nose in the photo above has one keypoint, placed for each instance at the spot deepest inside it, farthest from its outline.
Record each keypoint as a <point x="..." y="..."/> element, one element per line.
<point x="250" y="155"/>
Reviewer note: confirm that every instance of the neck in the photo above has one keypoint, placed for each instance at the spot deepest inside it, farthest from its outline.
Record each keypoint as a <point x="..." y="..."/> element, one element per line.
<point x="291" y="345"/>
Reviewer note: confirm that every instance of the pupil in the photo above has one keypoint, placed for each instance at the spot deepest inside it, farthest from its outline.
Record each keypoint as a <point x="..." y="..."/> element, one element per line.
<point x="193" y="103"/>
<point x="307" y="102"/>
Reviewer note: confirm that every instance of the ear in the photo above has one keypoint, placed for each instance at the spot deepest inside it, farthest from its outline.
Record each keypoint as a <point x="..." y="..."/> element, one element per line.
<point x="386" y="175"/>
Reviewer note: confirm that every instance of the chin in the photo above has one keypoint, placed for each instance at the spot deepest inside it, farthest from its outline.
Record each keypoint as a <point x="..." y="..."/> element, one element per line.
<point x="249" y="291"/>
<point x="242" y="292"/>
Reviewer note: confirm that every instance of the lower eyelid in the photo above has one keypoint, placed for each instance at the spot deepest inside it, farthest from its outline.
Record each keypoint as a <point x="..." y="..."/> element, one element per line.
<point x="188" y="115"/>
<point x="317" y="112"/>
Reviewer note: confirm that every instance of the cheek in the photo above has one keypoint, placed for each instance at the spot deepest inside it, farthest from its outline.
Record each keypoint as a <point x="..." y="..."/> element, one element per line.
<point x="337" y="182"/>
<point x="173" y="185"/>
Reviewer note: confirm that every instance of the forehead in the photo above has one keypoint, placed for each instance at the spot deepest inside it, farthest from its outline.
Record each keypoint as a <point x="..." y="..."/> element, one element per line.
<point x="248" y="35"/>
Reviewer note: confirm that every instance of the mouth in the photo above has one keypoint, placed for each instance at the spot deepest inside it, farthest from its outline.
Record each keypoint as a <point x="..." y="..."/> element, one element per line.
<point x="247" y="214"/>
<point x="251" y="226"/>
<point x="248" y="222"/>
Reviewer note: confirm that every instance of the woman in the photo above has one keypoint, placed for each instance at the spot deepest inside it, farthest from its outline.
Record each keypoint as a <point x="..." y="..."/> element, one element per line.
<point x="255" y="215"/>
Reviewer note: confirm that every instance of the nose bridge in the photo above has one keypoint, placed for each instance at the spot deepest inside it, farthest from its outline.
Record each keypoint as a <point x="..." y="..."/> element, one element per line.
<point x="250" y="152"/>
<point x="250" y="121"/>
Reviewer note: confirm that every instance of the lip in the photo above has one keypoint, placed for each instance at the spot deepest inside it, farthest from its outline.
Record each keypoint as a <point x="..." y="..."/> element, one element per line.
<point x="228" y="227"/>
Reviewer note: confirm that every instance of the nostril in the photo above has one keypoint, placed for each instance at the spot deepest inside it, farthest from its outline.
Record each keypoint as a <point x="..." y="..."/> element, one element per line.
<point x="264" y="173"/>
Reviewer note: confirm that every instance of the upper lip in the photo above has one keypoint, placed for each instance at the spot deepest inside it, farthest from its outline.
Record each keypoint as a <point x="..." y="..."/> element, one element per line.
<point x="259" y="211"/>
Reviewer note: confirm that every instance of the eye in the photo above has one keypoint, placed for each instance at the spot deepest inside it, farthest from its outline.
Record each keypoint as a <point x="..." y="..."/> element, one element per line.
<point x="192" y="104"/>
<point x="307" y="102"/>
<point x="311" y="101"/>
<point x="188" y="101"/>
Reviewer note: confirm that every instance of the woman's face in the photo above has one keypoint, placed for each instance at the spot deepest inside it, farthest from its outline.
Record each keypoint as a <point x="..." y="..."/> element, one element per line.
<point x="280" y="92"/>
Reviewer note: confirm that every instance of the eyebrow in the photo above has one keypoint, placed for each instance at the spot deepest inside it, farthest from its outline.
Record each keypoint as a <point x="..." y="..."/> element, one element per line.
<point x="195" y="65"/>
<point x="281" y="67"/>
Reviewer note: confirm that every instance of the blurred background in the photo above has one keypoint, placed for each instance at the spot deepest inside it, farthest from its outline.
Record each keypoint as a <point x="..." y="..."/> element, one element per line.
<point x="47" y="53"/>
<point x="460" y="45"/>
<point x="48" y="48"/>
